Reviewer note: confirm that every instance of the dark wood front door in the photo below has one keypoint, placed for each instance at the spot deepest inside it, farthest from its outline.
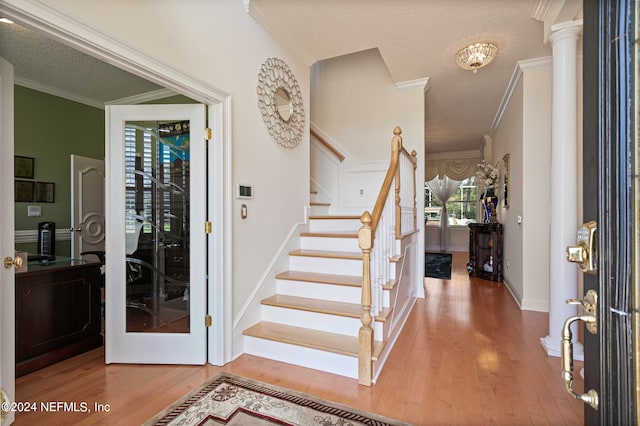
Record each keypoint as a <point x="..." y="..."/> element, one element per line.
<point x="610" y="198"/>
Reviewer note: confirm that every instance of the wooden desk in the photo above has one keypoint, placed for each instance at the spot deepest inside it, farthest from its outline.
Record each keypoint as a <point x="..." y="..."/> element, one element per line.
<point x="57" y="312"/>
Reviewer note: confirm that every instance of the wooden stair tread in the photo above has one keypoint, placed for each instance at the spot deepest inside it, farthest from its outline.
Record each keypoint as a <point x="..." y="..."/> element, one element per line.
<point x="314" y="339"/>
<point x="314" y="203"/>
<point x="348" y="255"/>
<point x="350" y="310"/>
<point x="390" y="285"/>
<point x="384" y="314"/>
<point x="331" y="234"/>
<point x="317" y="277"/>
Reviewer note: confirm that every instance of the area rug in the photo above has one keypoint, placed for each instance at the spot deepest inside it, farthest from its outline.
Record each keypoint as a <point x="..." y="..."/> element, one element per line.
<point x="437" y="265"/>
<point x="232" y="400"/>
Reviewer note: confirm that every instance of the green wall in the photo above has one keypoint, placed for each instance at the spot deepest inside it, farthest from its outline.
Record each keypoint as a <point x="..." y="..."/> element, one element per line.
<point x="50" y="129"/>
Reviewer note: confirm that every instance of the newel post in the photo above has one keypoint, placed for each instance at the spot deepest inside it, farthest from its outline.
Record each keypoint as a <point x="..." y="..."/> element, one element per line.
<point x="365" y="335"/>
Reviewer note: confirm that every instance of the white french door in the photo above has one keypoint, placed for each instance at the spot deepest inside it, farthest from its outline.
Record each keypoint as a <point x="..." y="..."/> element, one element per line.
<point x="7" y="242"/>
<point x="156" y="251"/>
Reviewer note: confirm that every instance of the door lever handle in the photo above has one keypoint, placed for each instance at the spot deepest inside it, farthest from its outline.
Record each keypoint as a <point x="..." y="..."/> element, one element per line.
<point x="566" y="360"/>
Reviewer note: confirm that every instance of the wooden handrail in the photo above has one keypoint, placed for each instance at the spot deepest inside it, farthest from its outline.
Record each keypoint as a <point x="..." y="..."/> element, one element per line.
<point x="330" y="147"/>
<point x="396" y="148"/>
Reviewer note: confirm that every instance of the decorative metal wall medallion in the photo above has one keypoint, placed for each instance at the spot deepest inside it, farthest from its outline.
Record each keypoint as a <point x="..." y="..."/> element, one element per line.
<point x="280" y="102"/>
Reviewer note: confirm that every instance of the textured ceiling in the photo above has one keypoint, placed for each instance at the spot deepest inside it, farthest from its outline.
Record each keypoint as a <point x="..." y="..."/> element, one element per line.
<point x="418" y="39"/>
<point x="40" y="60"/>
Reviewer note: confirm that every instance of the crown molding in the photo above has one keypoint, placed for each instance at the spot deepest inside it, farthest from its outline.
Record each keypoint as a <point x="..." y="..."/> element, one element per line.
<point x="541" y="9"/>
<point x="44" y="88"/>
<point x="410" y="84"/>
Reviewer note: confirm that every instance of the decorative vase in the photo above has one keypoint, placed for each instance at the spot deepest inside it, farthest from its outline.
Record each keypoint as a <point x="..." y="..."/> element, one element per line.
<point x="490" y="201"/>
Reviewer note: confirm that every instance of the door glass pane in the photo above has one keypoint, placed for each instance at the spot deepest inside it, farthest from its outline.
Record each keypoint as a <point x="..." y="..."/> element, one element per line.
<point x="157" y="226"/>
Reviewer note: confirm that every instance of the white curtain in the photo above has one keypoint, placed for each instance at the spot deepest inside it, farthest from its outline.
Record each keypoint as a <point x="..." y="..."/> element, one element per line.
<point x="443" y="189"/>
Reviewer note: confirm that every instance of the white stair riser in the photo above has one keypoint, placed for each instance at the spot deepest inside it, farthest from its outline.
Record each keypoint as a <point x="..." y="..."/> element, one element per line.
<point x="305" y="357"/>
<point x="335" y="293"/>
<point x="319" y="210"/>
<point x="325" y="265"/>
<point x="319" y="225"/>
<point x="316" y="321"/>
<point x="325" y="243"/>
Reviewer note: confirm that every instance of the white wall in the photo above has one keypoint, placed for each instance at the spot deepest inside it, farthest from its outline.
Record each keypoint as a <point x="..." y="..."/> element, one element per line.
<point x="508" y="140"/>
<point x="525" y="133"/>
<point x="219" y="43"/>
<point x="357" y="104"/>
<point x="458" y="238"/>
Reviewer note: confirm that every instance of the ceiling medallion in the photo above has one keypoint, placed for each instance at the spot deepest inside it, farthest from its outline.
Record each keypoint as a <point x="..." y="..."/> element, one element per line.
<point x="476" y="55"/>
<point x="280" y="102"/>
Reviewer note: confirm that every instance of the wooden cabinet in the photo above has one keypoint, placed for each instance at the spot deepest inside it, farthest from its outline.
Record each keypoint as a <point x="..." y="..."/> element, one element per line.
<point x="57" y="312"/>
<point x="485" y="251"/>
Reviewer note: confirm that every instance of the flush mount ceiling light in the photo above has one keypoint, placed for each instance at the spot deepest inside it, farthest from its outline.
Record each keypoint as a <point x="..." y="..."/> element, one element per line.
<point x="476" y="55"/>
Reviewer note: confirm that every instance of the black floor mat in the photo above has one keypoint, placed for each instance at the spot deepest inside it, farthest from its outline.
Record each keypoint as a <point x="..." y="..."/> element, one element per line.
<point x="437" y="265"/>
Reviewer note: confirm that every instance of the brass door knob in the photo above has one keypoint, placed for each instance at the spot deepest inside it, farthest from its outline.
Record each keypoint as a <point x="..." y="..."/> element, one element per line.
<point x="10" y="262"/>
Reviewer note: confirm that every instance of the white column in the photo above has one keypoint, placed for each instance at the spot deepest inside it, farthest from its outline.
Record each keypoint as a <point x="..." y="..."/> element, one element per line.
<point x="563" y="279"/>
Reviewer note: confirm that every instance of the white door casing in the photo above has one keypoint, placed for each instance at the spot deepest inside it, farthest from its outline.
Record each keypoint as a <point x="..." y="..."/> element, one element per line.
<point x="7" y="238"/>
<point x="154" y="347"/>
<point x="87" y="205"/>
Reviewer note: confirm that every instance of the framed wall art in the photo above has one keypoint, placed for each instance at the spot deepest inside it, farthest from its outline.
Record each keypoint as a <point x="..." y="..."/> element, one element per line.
<point x="45" y="192"/>
<point x="23" y="167"/>
<point x="24" y="191"/>
<point x="505" y="195"/>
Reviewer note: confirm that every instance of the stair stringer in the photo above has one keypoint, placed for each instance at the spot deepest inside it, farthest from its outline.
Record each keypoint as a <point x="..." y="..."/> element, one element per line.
<point x="251" y="311"/>
<point x="402" y="298"/>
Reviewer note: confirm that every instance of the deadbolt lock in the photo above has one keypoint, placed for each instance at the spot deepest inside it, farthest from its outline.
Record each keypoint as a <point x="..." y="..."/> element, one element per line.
<point x="584" y="252"/>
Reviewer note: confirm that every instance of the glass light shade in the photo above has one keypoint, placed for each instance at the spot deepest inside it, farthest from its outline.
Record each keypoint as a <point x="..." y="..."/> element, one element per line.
<point x="476" y="55"/>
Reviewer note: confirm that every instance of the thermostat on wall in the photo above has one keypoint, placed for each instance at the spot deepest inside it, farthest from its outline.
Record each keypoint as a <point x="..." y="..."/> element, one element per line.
<point x="244" y="191"/>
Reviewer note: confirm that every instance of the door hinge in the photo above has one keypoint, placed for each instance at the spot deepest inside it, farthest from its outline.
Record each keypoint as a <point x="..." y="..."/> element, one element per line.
<point x="207" y="321"/>
<point x="208" y="227"/>
<point x="208" y="134"/>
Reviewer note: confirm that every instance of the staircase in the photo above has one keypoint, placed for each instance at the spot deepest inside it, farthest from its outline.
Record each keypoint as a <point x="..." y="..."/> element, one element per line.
<point x="314" y="319"/>
<point x="345" y="296"/>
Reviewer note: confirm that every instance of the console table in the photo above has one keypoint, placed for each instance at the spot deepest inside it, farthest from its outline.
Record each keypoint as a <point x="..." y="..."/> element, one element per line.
<point x="57" y="312"/>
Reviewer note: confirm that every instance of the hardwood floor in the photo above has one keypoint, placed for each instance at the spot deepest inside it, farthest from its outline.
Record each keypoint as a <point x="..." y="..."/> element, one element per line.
<point x="467" y="356"/>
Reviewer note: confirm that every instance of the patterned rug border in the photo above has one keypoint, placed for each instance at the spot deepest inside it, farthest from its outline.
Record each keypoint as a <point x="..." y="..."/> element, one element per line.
<point x="295" y="397"/>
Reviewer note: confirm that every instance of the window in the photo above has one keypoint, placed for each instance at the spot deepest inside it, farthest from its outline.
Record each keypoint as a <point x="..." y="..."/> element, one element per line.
<point x="461" y="207"/>
<point x="137" y="178"/>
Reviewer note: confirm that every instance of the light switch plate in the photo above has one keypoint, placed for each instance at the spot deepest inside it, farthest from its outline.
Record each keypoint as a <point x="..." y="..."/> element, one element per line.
<point x="34" y="210"/>
<point x="244" y="191"/>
